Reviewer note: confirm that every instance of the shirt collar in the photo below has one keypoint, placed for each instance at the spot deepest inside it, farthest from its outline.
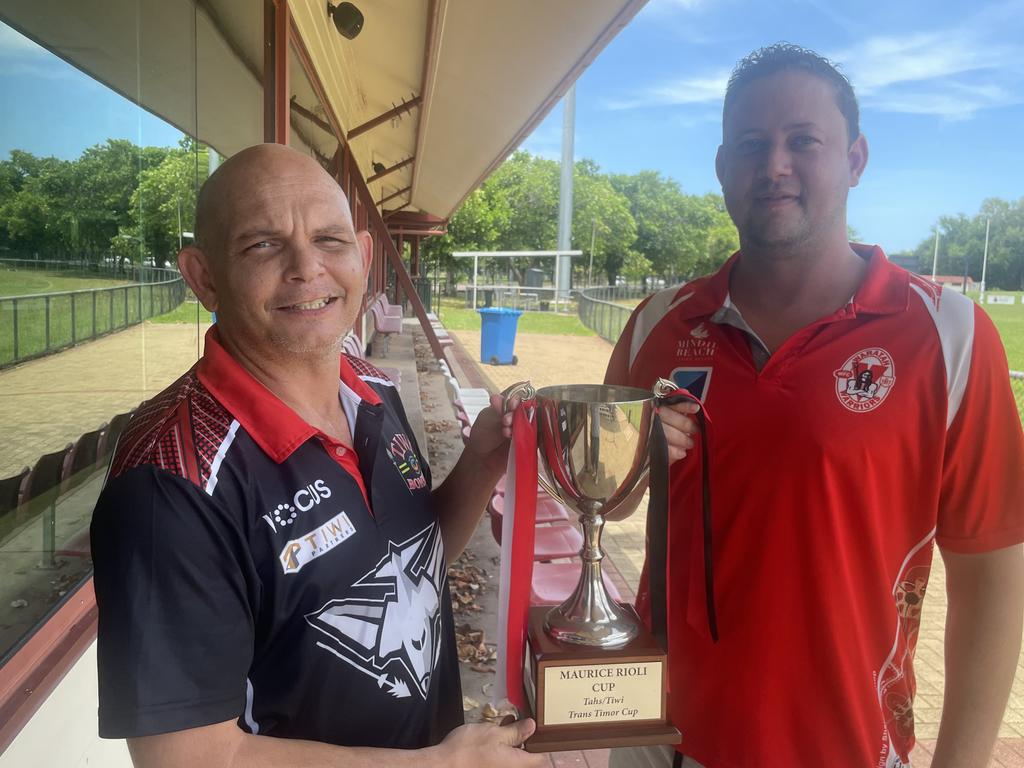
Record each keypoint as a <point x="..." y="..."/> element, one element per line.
<point x="884" y="290"/>
<point x="275" y="427"/>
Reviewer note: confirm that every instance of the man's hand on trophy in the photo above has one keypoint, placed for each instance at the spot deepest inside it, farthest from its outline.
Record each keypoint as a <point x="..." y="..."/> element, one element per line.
<point x="483" y="745"/>
<point x="491" y="432"/>
<point x="679" y="427"/>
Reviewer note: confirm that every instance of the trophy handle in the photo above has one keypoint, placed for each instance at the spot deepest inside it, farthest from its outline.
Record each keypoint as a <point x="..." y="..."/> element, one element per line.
<point x="524" y="390"/>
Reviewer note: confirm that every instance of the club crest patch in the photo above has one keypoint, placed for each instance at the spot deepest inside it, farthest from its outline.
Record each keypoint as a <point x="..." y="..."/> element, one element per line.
<point x="865" y="380"/>
<point x="406" y="461"/>
<point x="696" y="381"/>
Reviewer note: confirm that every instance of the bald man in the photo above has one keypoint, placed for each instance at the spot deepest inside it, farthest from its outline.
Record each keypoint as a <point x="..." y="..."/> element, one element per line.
<point x="270" y="559"/>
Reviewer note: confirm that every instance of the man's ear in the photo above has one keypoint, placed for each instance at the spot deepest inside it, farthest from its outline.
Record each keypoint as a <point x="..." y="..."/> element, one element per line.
<point x="720" y="164"/>
<point x="857" y="156"/>
<point x="365" y="241"/>
<point x="195" y="268"/>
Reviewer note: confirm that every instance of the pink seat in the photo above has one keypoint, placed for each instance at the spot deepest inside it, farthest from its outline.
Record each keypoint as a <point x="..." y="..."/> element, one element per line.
<point x="553" y="583"/>
<point x="549" y="510"/>
<point x="391" y="310"/>
<point x="385" y="325"/>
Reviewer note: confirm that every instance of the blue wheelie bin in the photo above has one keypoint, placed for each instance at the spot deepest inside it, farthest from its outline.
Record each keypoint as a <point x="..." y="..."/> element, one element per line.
<point x="498" y="335"/>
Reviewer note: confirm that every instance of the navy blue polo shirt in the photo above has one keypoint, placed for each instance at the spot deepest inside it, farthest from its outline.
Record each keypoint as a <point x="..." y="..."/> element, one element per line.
<point x="249" y="566"/>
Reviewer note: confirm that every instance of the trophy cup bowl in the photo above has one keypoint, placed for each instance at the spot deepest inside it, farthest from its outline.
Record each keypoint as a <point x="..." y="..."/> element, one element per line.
<point x="592" y="441"/>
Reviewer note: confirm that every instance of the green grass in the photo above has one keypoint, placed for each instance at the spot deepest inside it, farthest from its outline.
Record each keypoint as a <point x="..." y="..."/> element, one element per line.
<point x="25" y="282"/>
<point x="1009" y="321"/>
<point x="33" y="324"/>
<point x="455" y="316"/>
<point x="184" y="313"/>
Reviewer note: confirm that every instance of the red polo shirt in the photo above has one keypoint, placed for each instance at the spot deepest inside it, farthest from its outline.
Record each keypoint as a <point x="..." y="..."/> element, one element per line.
<point x="837" y="461"/>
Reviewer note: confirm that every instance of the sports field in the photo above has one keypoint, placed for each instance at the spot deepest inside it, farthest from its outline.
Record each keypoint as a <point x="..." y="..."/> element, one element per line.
<point x="23" y="282"/>
<point x="34" y="322"/>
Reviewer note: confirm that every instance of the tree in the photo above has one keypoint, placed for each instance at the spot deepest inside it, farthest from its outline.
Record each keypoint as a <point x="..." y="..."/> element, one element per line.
<point x="163" y="205"/>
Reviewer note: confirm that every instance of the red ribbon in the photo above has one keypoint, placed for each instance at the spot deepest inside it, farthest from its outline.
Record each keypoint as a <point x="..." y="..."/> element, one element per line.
<point x="524" y="509"/>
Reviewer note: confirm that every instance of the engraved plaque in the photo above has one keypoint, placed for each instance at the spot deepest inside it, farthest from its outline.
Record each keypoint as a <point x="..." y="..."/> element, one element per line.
<point x="602" y="693"/>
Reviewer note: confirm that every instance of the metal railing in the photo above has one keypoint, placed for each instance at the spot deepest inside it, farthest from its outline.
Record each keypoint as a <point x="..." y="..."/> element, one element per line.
<point x="598" y="308"/>
<point x="34" y="325"/>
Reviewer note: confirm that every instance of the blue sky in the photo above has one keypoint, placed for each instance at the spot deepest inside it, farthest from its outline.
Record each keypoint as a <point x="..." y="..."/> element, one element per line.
<point x="941" y="88"/>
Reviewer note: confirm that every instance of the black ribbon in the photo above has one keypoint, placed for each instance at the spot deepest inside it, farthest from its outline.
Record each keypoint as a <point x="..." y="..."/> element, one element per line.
<point x="657" y="524"/>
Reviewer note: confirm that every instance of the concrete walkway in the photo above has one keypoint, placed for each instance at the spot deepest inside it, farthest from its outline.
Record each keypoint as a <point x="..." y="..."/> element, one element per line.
<point x="548" y="360"/>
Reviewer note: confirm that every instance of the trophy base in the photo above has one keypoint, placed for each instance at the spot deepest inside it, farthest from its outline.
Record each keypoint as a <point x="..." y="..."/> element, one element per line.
<point x="584" y="697"/>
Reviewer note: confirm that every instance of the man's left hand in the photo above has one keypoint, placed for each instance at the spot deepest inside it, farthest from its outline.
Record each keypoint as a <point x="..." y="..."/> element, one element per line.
<point x="679" y="425"/>
<point x="491" y="432"/>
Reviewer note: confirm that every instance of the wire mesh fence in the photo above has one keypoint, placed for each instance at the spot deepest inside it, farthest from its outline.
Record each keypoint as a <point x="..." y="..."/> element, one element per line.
<point x="34" y="325"/>
<point x="606" y="309"/>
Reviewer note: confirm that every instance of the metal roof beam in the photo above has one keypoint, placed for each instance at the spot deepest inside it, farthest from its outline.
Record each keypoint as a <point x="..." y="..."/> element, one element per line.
<point x="393" y="195"/>
<point x="392" y="169"/>
<point x="369" y="125"/>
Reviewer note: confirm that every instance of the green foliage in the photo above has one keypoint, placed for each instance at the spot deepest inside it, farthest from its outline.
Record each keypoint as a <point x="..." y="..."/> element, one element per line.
<point x="639" y="225"/>
<point x="962" y="242"/>
<point x="116" y="198"/>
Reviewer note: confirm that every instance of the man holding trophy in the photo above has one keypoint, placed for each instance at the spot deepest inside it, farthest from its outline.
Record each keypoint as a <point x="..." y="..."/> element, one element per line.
<point x="828" y="497"/>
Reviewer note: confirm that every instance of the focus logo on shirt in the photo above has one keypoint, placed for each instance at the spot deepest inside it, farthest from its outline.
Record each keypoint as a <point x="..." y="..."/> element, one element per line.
<point x="321" y="540"/>
<point x="303" y="500"/>
<point x="865" y="380"/>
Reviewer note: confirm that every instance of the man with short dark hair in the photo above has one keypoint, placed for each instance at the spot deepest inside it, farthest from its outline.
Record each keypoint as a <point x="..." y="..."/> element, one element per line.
<point x="859" y="416"/>
<point x="270" y="559"/>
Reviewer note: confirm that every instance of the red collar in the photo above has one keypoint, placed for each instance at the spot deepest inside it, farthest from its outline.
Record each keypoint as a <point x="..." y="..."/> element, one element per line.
<point x="885" y="289"/>
<point x="275" y="427"/>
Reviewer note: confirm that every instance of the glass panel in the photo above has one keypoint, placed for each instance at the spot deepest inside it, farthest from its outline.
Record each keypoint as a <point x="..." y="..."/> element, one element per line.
<point x="102" y="151"/>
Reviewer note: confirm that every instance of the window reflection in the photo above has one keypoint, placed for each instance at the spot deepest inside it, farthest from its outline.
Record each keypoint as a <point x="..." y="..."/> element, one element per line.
<point x="97" y="194"/>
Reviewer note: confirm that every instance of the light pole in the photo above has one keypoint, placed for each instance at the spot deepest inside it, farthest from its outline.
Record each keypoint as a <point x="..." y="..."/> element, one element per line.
<point x="984" y="260"/>
<point x="593" y="237"/>
<point x="935" y="258"/>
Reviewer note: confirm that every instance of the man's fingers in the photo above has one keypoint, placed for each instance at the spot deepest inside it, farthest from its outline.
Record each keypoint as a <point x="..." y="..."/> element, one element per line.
<point x="515" y="734"/>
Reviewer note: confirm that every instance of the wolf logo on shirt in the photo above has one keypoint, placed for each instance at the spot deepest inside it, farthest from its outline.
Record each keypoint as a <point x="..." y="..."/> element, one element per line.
<point x="390" y="627"/>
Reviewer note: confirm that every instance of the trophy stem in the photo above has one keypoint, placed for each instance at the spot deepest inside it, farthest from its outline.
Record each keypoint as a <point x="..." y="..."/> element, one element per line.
<point x="589" y="616"/>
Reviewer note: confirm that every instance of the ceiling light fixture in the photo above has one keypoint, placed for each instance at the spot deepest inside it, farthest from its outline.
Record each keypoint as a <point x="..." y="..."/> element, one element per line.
<point x="348" y="19"/>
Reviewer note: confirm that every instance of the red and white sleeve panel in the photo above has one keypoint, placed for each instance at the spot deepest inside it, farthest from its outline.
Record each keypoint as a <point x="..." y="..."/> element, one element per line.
<point x="981" y="504"/>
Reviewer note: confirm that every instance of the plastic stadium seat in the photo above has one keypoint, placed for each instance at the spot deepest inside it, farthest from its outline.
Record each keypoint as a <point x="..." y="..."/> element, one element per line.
<point x="554" y="582"/>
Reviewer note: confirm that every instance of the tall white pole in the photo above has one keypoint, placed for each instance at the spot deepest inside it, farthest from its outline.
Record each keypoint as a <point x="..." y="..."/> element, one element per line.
<point x="593" y="239"/>
<point x="935" y="258"/>
<point x="476" y="262"/>
<point x="563" y="264"/>
<point x="984" y="261"/>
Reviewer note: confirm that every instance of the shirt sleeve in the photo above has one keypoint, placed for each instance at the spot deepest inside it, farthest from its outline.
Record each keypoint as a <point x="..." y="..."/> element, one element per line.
<point x="981" y="506"/>
<point x="175" y="589"/>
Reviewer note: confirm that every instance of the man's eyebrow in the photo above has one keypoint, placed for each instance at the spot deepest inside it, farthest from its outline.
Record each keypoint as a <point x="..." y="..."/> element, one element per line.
<point x="254" y="234"/>
<point x="335" y="229"/>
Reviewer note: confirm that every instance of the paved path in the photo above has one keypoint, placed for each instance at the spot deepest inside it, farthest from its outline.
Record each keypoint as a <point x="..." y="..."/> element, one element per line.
<point x="547" y="360"/>
<point x="49" y="402"/>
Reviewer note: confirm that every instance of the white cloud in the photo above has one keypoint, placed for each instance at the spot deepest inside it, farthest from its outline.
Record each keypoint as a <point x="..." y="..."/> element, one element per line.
<point x="13" y="43"/>
<point x="666" y="6"/>
<point x="692" y="90"/>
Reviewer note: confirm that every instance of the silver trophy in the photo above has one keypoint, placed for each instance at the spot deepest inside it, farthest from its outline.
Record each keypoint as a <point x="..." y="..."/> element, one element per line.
<point x="592" y="440"/>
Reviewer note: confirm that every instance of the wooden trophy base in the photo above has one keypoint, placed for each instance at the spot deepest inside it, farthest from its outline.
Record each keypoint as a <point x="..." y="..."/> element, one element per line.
<point x="593" y="698"/>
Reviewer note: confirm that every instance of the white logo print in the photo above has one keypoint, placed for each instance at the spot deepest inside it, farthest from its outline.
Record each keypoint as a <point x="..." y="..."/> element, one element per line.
<point x="700" y="332"/>
<point x="865" y="380"/>
<point x="303" y="501"/>
<point x="390" y="629"/>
